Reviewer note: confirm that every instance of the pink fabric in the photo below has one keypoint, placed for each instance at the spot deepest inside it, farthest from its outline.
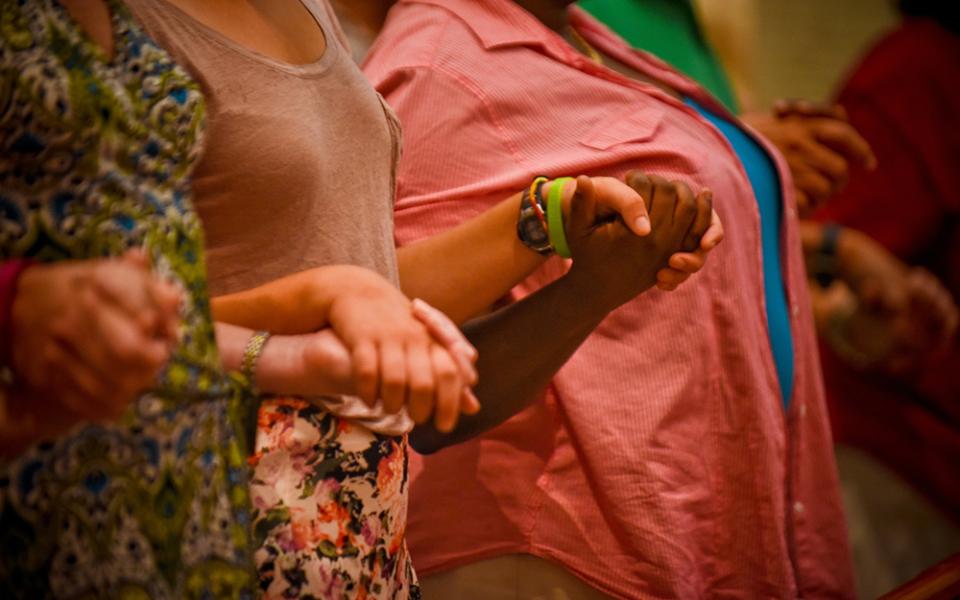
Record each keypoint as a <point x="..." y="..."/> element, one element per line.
<point x="660" y="463"/>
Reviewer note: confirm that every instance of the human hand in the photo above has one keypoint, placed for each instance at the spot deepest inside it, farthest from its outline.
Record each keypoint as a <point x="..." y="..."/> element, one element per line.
<point x="616" y="265"/>
<point x="615" y="200"/>
<point x="905" y="306"/>
<point x="819" y="144"/>
<point x="395" y="358"/>
<point x="89" y="335"/>
<point x="931" y="321"/>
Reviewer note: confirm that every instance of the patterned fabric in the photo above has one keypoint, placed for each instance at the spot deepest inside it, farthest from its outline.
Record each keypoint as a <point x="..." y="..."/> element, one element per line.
<point x="95" y="158"/>
<point x="330" y="500"/>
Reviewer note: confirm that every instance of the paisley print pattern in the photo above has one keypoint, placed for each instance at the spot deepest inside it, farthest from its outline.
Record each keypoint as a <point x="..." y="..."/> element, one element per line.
<point x="330" y="507"/>
<point x="96" y="154"/>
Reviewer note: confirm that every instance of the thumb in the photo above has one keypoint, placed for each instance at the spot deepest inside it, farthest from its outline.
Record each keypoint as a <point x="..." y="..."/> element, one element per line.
<point x="619" y="199"/>
<point x="583" y="209"/>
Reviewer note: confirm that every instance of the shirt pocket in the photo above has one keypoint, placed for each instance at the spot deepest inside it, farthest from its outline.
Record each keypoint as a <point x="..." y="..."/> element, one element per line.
<point x="635" y="125"/>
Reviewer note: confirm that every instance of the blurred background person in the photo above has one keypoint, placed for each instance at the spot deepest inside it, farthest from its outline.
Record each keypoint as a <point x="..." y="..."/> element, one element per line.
<point x="898" y="396"/>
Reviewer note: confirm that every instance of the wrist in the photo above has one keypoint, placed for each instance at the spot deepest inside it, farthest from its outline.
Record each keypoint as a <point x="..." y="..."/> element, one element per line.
<point x="824" y="263"/>
<point x="581" y="291"/>
<point x="281" y="365"/>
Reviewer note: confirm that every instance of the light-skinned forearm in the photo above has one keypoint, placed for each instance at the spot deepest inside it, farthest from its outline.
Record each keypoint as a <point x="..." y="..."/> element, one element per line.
<point x="298" y="303"/>
<point x="521" y="347"/>
<point x="465" y="270"/>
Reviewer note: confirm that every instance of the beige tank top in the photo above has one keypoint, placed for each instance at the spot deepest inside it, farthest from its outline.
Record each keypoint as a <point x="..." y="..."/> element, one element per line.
<point x="299" y="163"/>
<point x="298" y="169"/>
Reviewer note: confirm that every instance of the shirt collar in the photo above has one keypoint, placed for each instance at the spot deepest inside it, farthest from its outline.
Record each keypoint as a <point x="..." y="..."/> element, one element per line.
<point x="496" y="23"/>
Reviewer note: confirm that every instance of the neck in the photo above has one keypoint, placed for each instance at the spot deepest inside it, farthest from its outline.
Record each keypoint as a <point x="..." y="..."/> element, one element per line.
<point x="552" y="13"/>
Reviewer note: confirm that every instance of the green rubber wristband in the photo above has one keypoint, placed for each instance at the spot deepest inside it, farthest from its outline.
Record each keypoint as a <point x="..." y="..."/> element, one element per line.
<point x="558" y="237"/>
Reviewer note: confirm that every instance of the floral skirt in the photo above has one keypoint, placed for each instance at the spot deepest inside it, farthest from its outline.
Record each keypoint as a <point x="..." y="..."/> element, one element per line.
<point x="330" y="507"/>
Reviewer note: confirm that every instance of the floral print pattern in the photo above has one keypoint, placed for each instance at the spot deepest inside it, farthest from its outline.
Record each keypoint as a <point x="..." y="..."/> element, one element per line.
<point x="330" y="507"/>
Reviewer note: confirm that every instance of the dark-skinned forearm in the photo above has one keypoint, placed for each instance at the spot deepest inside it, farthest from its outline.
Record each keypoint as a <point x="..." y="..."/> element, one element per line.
<point x="521" y="347"/>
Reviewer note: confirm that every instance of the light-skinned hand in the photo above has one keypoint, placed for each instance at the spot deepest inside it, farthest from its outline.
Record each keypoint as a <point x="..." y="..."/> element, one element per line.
<point x="89" y="335"/>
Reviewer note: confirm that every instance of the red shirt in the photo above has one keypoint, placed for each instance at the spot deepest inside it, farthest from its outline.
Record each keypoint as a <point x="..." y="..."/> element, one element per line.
<point x="904" y="98"/>
<point x="660" y="463"/>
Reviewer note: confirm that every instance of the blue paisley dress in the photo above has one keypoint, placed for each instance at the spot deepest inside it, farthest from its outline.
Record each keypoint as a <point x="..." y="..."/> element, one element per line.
<point x="96" y="155"/>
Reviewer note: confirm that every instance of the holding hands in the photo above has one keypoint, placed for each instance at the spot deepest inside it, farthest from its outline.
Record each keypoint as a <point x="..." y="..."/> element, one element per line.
<point x="882" y="312"/>
<point x="87" y="337"/>
<point x="819" y="144"/>
<point x="402" y="355"/>
<point x="346" y="330"/>
<point x="617" y="263"/>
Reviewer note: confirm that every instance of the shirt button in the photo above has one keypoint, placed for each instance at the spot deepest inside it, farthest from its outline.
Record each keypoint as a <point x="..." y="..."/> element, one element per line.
<point x="798" y="508"/>
<point x="803" y="409"/>
<point x="792" y="213"/>
<point x="796" y="310"/>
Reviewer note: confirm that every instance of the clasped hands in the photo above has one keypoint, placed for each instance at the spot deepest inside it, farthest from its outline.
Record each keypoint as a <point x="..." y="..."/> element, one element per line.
<point x="379" y="345"/>
<point x="91" y="335"/>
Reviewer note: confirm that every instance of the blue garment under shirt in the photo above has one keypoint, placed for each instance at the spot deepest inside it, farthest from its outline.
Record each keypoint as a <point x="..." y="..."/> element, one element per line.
<point x="766" y="188"/>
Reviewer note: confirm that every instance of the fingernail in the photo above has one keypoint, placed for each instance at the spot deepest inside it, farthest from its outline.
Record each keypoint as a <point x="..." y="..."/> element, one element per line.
<point x="643" y="223"/>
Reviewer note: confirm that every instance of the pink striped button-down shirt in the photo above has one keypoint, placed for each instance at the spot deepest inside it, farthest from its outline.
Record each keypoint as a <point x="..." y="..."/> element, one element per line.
<point x="660" y="463"/>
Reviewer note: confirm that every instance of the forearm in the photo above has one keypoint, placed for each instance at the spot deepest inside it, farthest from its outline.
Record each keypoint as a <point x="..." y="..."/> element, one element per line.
<point x="521" y="348"/>
<point x="465" y="270"/>
<point x="298" y="303"/>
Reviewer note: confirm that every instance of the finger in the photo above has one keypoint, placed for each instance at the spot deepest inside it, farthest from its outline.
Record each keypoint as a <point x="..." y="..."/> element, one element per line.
<point x="641" y="184"/>
<point x="168" y="298"/>
<point x="625" y="201"/>
<point x="842" y="138"/>
<point x="663" y="202"/>
<point x="831" y="165"/>
<point x="685" y="211"/>
<point x="817" y="187"/>
<point x="802" y="200"/>
<point x="127" y="287"/>
<point x="115" y="342"/>
<point x="672" y="277"/>
<point x="440" y="326"/>
<point x="444" y="331"/>
<point x="449" y="390"/>
<point x="155" y="302"/>
<point x="366" y="371"/>
<point x="420" y="377"/>
<point x="701" y="221"/>
<point x="583" y="210"/>
<point x="667" y="287"/>
<point x="687" y="262"/>
<point x="714" y="235"/>
<point x="393" y="376"/>
<point x="469" y="404"/>
<point x="136" y="257"/>
<point x="805" y="108"/>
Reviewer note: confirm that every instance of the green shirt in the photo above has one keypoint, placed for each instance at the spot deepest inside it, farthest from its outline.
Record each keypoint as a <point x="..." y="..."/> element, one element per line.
<point x="668" y="29"/>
